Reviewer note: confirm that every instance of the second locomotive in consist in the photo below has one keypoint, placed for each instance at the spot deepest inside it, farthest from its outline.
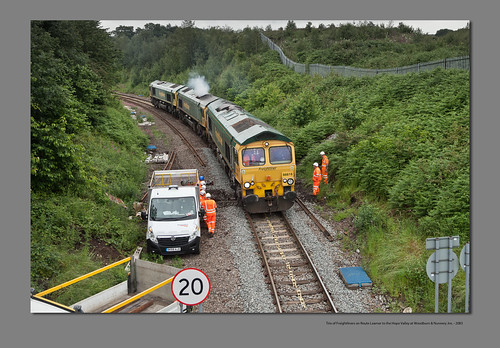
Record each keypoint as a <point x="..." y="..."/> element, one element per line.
<point x="259" y="160"/>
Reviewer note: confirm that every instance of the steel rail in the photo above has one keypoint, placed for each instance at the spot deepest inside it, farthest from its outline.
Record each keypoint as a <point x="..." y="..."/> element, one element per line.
<point x="171" y="160"/>
<point x="145" y="104"/>
<point x="306" y="254"/>
<point x="268" y="269"/>
<point x="315" y="220"/>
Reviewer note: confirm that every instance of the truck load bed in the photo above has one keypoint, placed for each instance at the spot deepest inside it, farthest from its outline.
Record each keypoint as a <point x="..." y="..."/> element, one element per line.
<point x="180" y="177"/>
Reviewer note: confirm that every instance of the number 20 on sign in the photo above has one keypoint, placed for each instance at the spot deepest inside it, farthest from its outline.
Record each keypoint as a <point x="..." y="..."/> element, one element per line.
<point x="190" y="286"/>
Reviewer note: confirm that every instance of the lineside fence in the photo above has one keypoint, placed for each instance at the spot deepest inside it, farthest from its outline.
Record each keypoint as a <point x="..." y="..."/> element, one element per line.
<point x="324" y="70"/>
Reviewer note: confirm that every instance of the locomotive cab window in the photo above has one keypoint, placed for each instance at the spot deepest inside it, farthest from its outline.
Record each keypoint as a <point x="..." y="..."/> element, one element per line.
<point x="280" y="154"/>
<point x="253" y="157"/>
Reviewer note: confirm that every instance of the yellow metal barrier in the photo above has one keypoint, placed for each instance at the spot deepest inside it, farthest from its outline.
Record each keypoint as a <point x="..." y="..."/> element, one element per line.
<point x="60" y="286"/>
<point x="54" y="303"/>
<point x="139" y="295"/>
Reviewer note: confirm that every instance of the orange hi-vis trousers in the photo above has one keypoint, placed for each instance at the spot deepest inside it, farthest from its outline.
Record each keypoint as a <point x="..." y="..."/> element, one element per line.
<point x="316" y="180"/>
<point x="210" y="214"/>
<point x="211" y="222"/>
<point x="324" y="169"/>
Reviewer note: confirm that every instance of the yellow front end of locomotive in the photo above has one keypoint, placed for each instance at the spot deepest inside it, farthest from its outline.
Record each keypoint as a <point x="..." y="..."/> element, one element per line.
<point x="267" y="176"/>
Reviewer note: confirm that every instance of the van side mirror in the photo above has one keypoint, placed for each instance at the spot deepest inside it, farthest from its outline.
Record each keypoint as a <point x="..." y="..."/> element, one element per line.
<point x="144" y="215"/>
<point x="201" y="213"/>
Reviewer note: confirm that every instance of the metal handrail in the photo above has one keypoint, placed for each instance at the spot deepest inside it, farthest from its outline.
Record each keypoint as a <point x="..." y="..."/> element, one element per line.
<point x="139" y="295"/>
<point x="76" y="280"/>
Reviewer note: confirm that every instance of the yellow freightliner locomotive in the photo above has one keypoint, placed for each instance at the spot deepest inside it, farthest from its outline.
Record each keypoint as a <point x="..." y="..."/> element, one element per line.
<point x="259" y="160"/>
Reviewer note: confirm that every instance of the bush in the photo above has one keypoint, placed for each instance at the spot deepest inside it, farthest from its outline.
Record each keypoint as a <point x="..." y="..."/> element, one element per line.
<point x="451" y="213"/>
<point x="369" y="216"/>
<point x="304" y="109"/>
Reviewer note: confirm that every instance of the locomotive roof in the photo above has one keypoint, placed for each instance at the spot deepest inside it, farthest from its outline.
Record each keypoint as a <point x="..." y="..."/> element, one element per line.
<point x="167" y="86"/>
<point x="242" y="126"/>
<point x="203" y="100"/>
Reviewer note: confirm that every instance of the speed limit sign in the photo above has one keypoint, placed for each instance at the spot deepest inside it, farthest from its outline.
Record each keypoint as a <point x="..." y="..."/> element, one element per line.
<point x="190" y="286"/>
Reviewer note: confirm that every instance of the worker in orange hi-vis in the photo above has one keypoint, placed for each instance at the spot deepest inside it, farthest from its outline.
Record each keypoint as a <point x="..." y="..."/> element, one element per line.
<point x="246" y="159"/>
<point x="201" y="180"/>
<point x="210" y="212"/>
<point x="202" y="196"/>
<point x="316" y="179"/>
<point x="324" y="167"/>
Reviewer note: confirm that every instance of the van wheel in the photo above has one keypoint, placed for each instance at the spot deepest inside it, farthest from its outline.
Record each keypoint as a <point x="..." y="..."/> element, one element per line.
<point x="197" y="249"/>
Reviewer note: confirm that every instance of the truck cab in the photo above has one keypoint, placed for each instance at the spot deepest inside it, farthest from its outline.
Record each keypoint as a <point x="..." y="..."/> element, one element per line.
<point x="174" y="213"/>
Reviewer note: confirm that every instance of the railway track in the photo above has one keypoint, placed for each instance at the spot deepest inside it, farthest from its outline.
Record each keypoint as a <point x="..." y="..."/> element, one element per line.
<point x="145" y="104"/>
<point x="295" y="283"/>
<point x="314" y="219"/>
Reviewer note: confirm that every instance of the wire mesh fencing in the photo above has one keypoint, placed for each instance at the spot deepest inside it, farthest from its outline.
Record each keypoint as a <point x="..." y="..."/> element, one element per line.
<point x="324" y="70"/>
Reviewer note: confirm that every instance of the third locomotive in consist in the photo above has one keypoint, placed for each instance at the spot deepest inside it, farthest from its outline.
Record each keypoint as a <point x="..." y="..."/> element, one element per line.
<point x="259" y="160"/>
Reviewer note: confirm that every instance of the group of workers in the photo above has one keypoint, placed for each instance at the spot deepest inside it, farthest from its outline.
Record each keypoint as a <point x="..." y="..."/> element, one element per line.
<point x="209" y="205"/>
<point x="319" y="174"/>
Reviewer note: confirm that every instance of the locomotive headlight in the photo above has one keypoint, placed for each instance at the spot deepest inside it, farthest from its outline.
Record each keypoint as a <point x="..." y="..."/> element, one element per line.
<point x="252" y="183"/>
<point x="284" y="181"/>
<point x="246" y="185"/>
<point x="266" y="144"/>
<point x="290" y="181"/>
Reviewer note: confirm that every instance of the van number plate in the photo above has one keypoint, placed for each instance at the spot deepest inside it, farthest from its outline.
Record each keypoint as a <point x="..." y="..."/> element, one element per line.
<point x="172" y="249"/>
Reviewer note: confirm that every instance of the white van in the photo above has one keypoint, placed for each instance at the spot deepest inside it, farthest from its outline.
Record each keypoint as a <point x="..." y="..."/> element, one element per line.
<point x="174" y="213"/>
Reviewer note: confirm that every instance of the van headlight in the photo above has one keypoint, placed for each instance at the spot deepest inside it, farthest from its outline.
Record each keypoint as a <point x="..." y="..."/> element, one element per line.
<point x="194" y="234"/>
<point x="151" y="236"/>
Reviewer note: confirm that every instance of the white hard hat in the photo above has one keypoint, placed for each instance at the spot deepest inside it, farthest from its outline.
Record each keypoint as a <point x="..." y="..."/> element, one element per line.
<point x="202" y="183"/>
<point x="315" y="164"/>
<point x="208" y="195"/>
<point x="203" y="187"/>
<point x="321" y="153"/>
<point x="202" y="192"/>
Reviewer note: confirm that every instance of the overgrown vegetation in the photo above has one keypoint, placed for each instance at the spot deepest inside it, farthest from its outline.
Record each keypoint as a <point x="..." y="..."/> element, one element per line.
<point x="398" y="145"/>
<point x="83" y="145"/>
<point x="366" y="45"/>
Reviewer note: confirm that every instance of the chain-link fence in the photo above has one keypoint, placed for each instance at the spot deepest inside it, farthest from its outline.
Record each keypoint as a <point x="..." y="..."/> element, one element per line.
<point x="324" y="70"/>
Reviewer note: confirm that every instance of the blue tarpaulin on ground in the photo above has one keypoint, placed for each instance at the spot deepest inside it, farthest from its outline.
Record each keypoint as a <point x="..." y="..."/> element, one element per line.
<point x="151" y="147"/>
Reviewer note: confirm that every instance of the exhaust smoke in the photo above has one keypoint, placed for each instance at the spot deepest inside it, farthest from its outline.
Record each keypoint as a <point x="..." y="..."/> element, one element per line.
<point x="198" y="84"/>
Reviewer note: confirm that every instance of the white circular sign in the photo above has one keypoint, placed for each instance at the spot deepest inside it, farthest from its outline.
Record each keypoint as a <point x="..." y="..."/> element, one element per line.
<point x="190" y="286"/>
<point x="444" y="268"/>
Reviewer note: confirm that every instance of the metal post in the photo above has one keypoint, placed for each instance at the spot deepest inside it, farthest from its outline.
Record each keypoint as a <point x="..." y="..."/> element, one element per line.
<point x="467" y="273"/>
<point x="200" y="308"/>
<point x="436" y="279"/>
<point x="450" y="274"/>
